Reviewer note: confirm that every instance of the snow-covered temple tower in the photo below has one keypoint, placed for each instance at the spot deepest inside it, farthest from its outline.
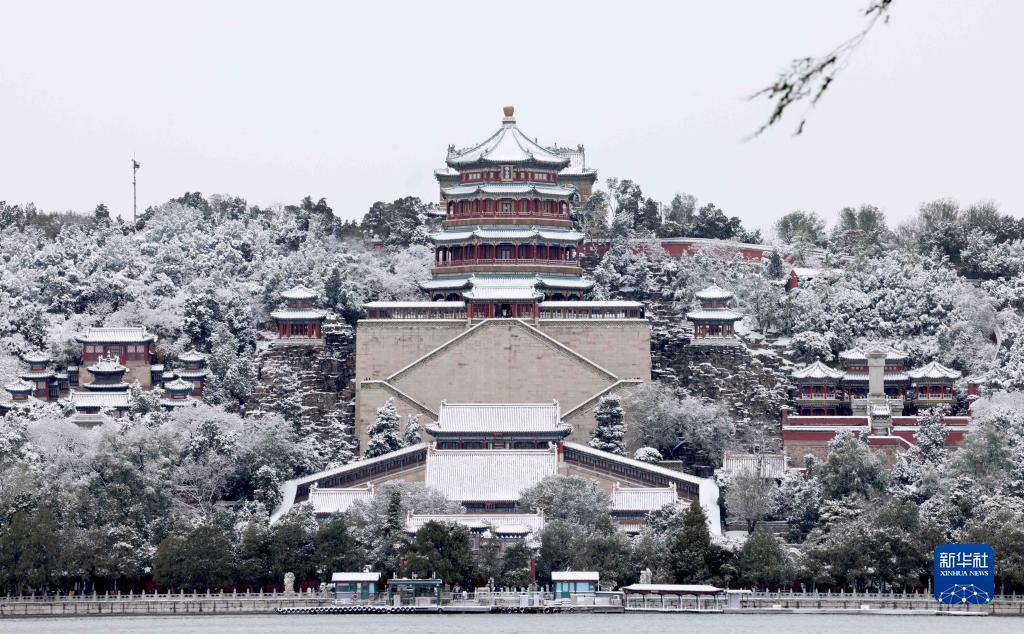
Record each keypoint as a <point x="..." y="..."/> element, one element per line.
<point x="507" y="241"/>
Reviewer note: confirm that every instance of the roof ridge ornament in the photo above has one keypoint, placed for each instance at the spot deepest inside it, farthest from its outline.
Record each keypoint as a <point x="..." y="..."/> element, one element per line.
<point x="509" y="118"/>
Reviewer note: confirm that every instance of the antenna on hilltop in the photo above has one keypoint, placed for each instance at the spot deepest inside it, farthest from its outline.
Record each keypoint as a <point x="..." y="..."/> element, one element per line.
<point x="135" y="206"/>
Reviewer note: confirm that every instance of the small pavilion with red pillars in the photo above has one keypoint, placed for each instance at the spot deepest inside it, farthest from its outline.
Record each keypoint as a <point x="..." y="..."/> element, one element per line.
<point x="713" y="322"/>
<point x="300" y="318"/>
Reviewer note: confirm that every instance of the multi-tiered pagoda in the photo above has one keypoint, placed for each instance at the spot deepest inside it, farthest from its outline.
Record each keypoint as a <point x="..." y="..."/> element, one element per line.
<point x="506" y="242"/>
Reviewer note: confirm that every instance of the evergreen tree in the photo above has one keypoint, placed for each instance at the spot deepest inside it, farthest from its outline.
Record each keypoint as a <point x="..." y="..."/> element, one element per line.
<point x="776" y="269"/>
<point x="101" y="213"/>
<point x="610" y="431"/>
<point x="515" y="565"/>
<point x="384" y="432"/>
<point x="690" y="548"/>
<point x="254" y="554"/>
<point x="412" y="430"/>
<point x="442" y="551"/>
<point x="335" y="550"/>
<point x="762" y="561"/>
<point x="851" y="468"/>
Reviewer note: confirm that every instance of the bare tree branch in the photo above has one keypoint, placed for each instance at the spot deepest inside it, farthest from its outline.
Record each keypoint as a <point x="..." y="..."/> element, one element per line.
<point x="808" y="78"/>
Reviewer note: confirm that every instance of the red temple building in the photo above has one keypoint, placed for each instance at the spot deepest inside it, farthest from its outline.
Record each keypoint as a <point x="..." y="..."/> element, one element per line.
<point x="714" y="322"/>
<point x="177" y="393"/>
<point x="48" y="384"/>
<point x="873" y="395"/>
<point x="300" y="320"/>
<point x="192" y="368"/>
<point x="19" y="396"/>
<point x="131" y="346"/>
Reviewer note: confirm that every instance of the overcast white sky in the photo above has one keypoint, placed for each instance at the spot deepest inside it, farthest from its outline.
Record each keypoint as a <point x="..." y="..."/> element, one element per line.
<point x="358" y="101"/>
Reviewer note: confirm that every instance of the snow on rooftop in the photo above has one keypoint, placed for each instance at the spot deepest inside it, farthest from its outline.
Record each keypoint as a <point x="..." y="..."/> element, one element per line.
<point x="575" y="575"/>
<point x="507" y="145"/>
<point x="817" y="370"/>
<point x="671" y="588"/>
<point x="504" y="233"/>
<point x="713" y="314"/>
<point x="192" y="356"/>
<point x="713" y="292"/>
<point x="614" y="303"/>
<point x="19" y="386"/>
<point x="508" y="189"/>
<point x="126" y="334"/>
<point x="298" y="314"/>
<point x="502" y="523"/>
<point x="327" y="501"/>
<point x="107" y="364"/>
<point x="299" y="292"/>
<point x="858" y="354"/>
<point x="525" y="293"/>
<point x="355" y="577"/>
<point x="83" y="400"/>
<point x="488" y="475"/>
<point x="933" y="370"/>
<point x="642" y="498"/>
<point x="499" y="417"/>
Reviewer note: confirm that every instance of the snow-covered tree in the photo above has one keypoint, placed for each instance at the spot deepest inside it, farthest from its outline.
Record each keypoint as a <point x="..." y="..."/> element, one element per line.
<point x="384" y="434"/>
<point x="610" y="432"/>
<point x="411" y="436"/>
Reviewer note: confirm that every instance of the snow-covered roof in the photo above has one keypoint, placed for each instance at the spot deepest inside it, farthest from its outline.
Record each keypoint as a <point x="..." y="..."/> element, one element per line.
<point x="858" y="354"/>
<point x="713" y="314"/>
<point x="643" y="466"/>
<point x="863" y="376"/>
<point x="577" y="160"/>
<point x="298" y="314"/>
<point x="499" y="417"/>
<point x="507" y="145"/>
<point x="551" y="281"/>
<point x="502" y="523"/>
<point x="85" y="400"/>
<point x="508" y="189"/>
<point x="486" y="475"/>
<point x="299" y="292"/>
<point x="772" y="465"/>
<point x="178" y="385"/>
<point x="36" y="357"/>
<point x="933" y="370"/>
<point x="125" y="334"/>
<point x="496" y="233"/>
<point x="545" y="281"/>
<point x="817" y="370"/>
<point x="192" y="356"/>
<point x="326" y="501"/>
<point x="437" y="305"/>
<point x="615" y="303"/>
<point x="354" y="577"/>
<point x="575" y="575"/>
<point x="19" y="386"/>
<point x="713" y="292"/>
<point x="290" y="487"/>
<point x="190" y="375"/>
<point x="524" y="293"/>
<point x="107" y="364"/>
<point x="671" y="588"/>
<point x="642" y="498"/>
<point x="39" y="375"/>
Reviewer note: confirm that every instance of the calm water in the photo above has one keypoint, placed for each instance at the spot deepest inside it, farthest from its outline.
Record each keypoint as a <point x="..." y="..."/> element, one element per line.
<point x="532" y="623"/>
